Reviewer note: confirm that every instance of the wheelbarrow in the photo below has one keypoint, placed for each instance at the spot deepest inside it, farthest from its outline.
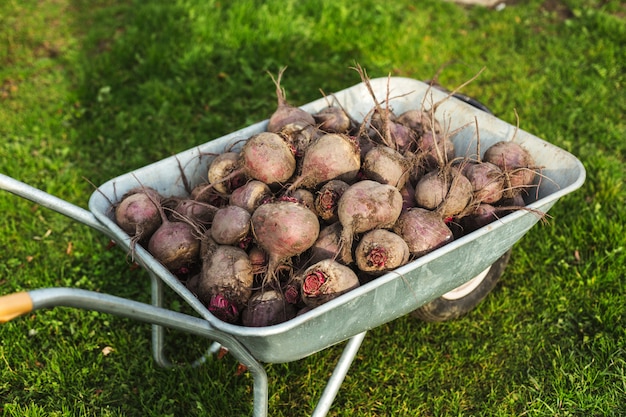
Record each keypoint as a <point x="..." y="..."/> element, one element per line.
<point x="457" y="275"/>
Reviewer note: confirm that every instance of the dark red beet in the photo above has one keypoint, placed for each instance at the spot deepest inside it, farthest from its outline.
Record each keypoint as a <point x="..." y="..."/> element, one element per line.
<point x="432" y="153"/>
<point x="197" y="212"/>
<point x="403" y="138"/>
<point x="258" y="260"/>
<point x="304" y="197"/>
<point x="487" y="181"/>
<point x="300" y="139"/>
<point x="204" y="193"/>
<point x="423" y="230"/>
<point x="267" y="307"/>
<point x="231" y="224"/>
<point x="250" y="195"/>
<point x="176" y="246"/>
<point x="333" y="119"/>
<point x="268" y="158"/>
<point x="514" y="201"/>
<point x="283" y="229"/>
<point x="408" y="196"/>
<point x="332" y="156"/>
<point x="365" y="145"/>
<point x="446" y="191"/>
<point x="328" y="245"/>
<point x="386" y="166"/>
<point x="366" y="205"/>
<point x="380" y="251"/>
<point x="225" y="284"/>
<point x="420" y="121"/>
<point x="326" y="280"/>
<point x="481" y="216"/>
<point x="286" y="114"/>
<point x="326" y="200"/>
<point x="515" y="162"/>
<point x="390" y="133"/>
<point x="138" y="213"/>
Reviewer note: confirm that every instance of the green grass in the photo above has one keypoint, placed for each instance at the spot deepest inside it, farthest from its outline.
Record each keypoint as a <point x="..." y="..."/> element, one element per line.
<point x="93" y="89"/>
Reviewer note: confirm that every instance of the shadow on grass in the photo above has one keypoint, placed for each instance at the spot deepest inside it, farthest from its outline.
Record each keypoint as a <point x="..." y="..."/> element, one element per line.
<point x="151" y="87"/>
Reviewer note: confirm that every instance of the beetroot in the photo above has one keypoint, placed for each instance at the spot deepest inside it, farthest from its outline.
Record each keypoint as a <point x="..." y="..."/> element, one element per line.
<point x="262" y="208"/>
<point x="300" y="139"/>
<point x="325" y="280"/>
<point x="434" y="151"/>
<point x="423" y="230"/>
<point x="386" y="131"/>
<point x="333" y="119"/>
<point x="380" y="251"/>
<point x="382" y="125"/>
<point x="408" y="196"/>
<point x="192" y="283"/>
<point x="138" y="213"/>
<point x="197" y="212"/>
<point x="403" y="138"/>
<point x="332" y="156"/>
<point x="250" y="195"/>
<point x="291" y="290"/>
<point x="304" y="197"/>
<point x="326" y="200"/>
<point x="258" y="260"/>
<point x="220" y="171"/>
<point x="516" y="163"/>
<point x="328" y="245"/>
<point x="225" y="284"/>
<point x="267" y="307"/>
<point x="283" y="229"/>
<point x="512" y="201"/>
<point x="365" y="144"/>
<point x="364" y="206"/>
<point x="231" y="225"/>
<point x="205" y="193"/>
<point x="268" y="158"/>
<point x="176" y="246"/>
<point x="447" y="191"/>
<point x="487" y="181"/>
<point x="386" y="166"/>
<point x="481" y="216"/>
<point x="286" y="114"/>
<point x="420" y="121"/>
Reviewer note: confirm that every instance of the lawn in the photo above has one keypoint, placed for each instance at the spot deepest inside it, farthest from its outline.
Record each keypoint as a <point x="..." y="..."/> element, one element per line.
<point x="90" y="90"/>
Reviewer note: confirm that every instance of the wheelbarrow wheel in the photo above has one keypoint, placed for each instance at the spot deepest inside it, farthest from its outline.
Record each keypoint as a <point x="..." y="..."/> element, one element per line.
<point x="465" y="298"/>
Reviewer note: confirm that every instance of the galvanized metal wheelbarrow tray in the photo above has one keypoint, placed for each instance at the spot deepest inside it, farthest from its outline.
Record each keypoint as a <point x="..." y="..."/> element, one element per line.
<point x="348" y="317"/>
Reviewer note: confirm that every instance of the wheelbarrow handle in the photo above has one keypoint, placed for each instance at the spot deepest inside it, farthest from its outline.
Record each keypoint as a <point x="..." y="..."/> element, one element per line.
<point x="54" y="203"/>
<point x="15" y="305"/>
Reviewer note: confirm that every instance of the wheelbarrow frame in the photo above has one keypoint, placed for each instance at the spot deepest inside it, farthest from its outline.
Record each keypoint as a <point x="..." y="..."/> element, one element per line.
<point x="384" y="298"/>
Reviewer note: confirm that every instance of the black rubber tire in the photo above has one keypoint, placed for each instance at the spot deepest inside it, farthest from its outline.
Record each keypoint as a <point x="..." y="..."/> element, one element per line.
<point x="444" y="309"/>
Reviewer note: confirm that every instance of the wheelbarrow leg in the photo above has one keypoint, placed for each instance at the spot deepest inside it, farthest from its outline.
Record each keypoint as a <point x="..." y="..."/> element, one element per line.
<point x="339" y="374"/>
<point x="260" y="380"/>
<point x="158" y="332"/>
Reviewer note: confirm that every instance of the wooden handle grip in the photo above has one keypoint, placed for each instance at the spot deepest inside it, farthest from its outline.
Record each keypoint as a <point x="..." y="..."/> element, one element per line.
<point x="14" y="305"/>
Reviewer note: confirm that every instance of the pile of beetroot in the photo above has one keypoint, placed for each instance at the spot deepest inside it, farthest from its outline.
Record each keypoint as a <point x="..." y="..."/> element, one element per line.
<point x="319" y="204"/>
